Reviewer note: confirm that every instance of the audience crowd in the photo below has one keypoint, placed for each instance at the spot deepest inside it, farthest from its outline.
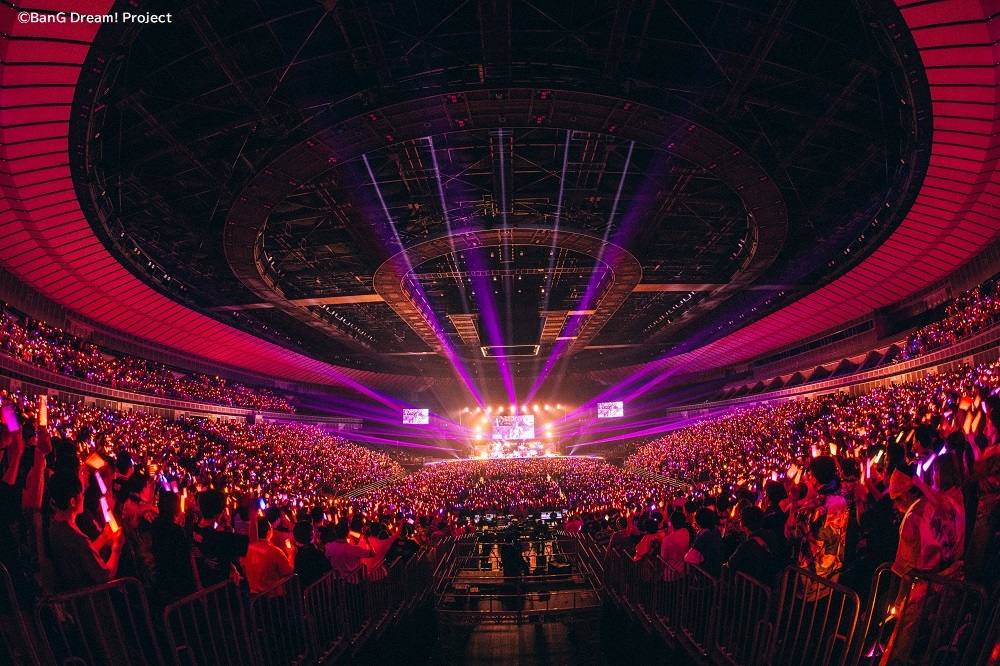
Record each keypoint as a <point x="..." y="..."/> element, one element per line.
<point x="53" y="349"/>
<point x="972" y="312"/>
<point x="907" y="474"/>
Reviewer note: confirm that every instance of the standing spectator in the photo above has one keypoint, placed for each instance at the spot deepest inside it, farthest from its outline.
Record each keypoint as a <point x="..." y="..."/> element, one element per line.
<point x="77" y="562"/>
<point x="706" y="551"/>
<point x="310" y="562"/>
<point x="345" y="558"/>
<point x="216" y="551"/>
<point x="265" y="563"/>
<point x="173" y="558"/>
<point x="756" y="556"/>
<point x="817" y="525"/>
<point x="674" y="546"/>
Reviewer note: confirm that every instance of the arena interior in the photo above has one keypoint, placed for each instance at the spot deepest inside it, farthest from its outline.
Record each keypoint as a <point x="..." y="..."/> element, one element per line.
<point x="500" y="332"/>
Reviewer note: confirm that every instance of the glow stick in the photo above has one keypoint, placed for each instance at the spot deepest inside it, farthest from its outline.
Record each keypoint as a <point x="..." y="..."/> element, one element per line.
<point x="43" y="410"/>
<point x="9" y="417"/>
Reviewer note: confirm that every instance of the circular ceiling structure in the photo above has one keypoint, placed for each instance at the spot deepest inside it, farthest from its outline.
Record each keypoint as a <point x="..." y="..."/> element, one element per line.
<point x="492" y="116"/>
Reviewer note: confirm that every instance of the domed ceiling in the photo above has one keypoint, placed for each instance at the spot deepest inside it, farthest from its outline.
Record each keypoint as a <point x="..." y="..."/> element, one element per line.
<point x="400" y="187"/>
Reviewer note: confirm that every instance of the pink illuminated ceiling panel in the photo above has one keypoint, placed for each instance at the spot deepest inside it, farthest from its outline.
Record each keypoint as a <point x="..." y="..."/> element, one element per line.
<point x="45" y="240"/>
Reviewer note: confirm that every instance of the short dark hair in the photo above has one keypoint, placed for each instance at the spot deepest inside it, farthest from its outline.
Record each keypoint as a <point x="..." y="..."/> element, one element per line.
<point x="211" y="503"/>
<point x="63" y="487"/>
<point x="303" y="532"/>
<point x="341" y="529"/>
<point x="168" y="504"/>
<point x="775" y="492"/>
<point x="678" y="520"/>
<point x="824" y="469"/>
<point x="706" y="518"/>
<point x="752" y="518"/>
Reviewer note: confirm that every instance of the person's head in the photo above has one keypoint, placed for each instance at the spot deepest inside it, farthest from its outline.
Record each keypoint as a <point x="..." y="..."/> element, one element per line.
<point x="66" y="492"/>
<point x="677" y="520"/>
<point x="752" y="518"/>
<point x="123" y="463"/>
<point x="168" y="505"/>
<point x="303" y="533"/>
<point x="901" y="489"/>
<point x="622" y="522"/>
<point x="211" y="503"/>
<point x="263" y="529"/>
<point x="706" y="518"/>
<point x="822" y="470"/>
<point x="993" y="424"/>
<point x="923" y="438"/>
<point x="341" y="529"/>
<point x="850" y="468"/>
<point x="947" y="472"/>
<point x="775" y="493"/>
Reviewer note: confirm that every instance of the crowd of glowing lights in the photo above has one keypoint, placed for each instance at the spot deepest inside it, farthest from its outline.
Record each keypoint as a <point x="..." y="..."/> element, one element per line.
<point x="53" y="349"/>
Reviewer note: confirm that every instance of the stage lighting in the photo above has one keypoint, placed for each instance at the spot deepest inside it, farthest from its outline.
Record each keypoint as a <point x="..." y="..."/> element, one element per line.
<point x="489" y="410"/>
<point x="500" y="410"/>
<point x="466" y="410"/>
<point x="547" y="408"/>
<point x="535" y="407"/>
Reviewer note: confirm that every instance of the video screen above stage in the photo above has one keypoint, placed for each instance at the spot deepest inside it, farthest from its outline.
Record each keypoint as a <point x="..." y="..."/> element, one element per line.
<point x="514" y="427"/>
<point x="416" y="417"/>
<point x="610" y="410"/>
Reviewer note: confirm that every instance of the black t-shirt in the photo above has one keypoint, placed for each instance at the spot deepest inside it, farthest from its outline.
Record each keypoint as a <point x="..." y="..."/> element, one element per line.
<point x="216" y="552"/>
<point x="756" y="558"/>
<point x="310" y="565"/>
<point x="174" y="565"/>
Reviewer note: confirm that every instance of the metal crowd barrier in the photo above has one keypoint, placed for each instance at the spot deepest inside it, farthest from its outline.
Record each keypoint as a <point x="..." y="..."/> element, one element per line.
<point x="743" y="619"/>
<point x="16" y="644"/>
<point x="277" y="616"/>
<point x="699" y="593"/>
<point x="923" y="618"/>
<point x="105" y="624"/>
<point x="209" y="627"/>
<point x="989" y="636"/>
<point x="325" y="615"/>
<point x="816" y="621"/>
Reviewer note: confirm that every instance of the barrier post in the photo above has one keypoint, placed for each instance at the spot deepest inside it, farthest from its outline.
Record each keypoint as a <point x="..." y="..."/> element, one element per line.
<point x="278" y="623"/>
<point x="210" y="627"/>
<point x="699" y="591"/>
<point x="324" y="603"/>
<point x="107" y="623"/>
<point x="816" y="621"/>
<point x="743" y="619"/>
<point x="16" y="643"/>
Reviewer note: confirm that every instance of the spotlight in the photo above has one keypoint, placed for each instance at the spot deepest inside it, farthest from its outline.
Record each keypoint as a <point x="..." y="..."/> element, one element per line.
<point x="535" y="407"/>
<point x="547" y="408"/>
<point x="489" y="410"/>
<point x="466" y="410"/>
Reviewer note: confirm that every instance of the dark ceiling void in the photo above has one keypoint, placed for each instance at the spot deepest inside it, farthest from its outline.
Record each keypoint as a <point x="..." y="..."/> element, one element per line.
<point x="271" y="160"/>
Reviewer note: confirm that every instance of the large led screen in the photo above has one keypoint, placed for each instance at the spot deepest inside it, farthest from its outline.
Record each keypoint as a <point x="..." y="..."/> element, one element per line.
<point x="514" y="427"/>
<point x="610" y="410"/>
<point x="416" y="416"/>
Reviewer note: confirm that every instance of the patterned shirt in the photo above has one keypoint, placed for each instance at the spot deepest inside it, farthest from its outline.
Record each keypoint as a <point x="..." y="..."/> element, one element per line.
<point x="820" y="531"/>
